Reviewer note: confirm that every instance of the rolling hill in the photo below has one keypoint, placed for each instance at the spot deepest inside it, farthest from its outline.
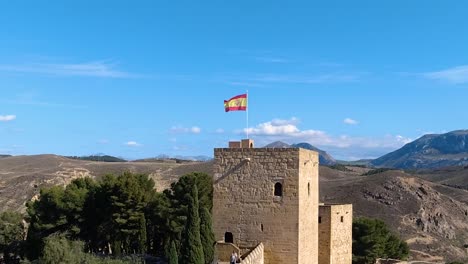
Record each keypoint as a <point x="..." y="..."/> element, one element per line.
<point x="21" y="177"/>
<point x="428" y="213"/>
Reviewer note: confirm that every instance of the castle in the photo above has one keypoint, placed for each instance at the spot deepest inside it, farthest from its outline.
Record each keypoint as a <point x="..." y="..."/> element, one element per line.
<point x="266" y="208"/>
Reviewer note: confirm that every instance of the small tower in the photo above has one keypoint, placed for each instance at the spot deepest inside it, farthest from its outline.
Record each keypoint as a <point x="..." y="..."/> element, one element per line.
<point x="335" y="233"/>
<point x="269" y="196"/>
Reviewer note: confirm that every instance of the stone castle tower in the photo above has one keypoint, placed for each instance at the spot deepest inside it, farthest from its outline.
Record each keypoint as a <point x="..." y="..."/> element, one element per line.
<point x="266" y="206"/>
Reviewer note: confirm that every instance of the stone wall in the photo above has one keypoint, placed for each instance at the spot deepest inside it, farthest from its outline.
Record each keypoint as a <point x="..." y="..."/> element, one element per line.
<point x="324" y="221"/>
<point x="244" y="203"/>
<point x="308" y="193"/>
<point x="335" y="233"/>
<point x="255" y="256"/>
<point x="223" y="251"/>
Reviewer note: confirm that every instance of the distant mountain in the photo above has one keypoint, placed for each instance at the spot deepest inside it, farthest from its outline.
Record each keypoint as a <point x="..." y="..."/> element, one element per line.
<point x="278" y="144"/>
<point x="4" y="156"/>
<point x="177" y="159"/>
<point x="103" y="158"/>
<point x="324" y="157"/>
<point x="429" y="151"/>
<point x="194" y="158"/>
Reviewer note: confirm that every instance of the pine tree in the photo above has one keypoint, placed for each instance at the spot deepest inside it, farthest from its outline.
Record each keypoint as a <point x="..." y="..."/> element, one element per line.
<point x="372" y="239"/>
<point x="206" y="234"/>
<point x="192" y="249"/>
<point x="173" y="257"/>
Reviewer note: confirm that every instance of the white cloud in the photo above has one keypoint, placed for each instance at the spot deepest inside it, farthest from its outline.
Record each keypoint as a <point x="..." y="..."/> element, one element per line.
<point x="195" y="130"/>
<point x="6" y="118"/>
<point x="403" y="139"/>
<point x="342" y="146"/>
<point x="350" y="121"/>
<point x="132" y="144"/>
<point x="457" y="75"/>
<point x="219" y="131"/>
<point x="185" y="130"/>
<point x="285" y="128"/>
<point x="92" y="69"/>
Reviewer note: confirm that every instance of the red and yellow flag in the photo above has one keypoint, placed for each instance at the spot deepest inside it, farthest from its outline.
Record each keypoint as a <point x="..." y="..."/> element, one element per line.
<point x="237" y="103"/>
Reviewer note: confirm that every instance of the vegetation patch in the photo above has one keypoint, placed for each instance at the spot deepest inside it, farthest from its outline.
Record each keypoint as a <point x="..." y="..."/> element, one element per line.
<point x="372" y="239"/>
<point x="103" y="158"/>
<point x="339" y="167"/>
<point x="112" y="219"/>
<point x="376" y="171"/>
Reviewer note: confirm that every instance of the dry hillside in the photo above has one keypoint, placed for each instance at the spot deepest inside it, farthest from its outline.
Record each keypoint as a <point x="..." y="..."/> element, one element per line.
<point x="432" y="217"/>
<point x="21" y="177"/>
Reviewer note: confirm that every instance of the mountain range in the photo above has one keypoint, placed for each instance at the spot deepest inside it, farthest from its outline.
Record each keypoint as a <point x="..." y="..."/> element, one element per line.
<point x="429" y="151"/>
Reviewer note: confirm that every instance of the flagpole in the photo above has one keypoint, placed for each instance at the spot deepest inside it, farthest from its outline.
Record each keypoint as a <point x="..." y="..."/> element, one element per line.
<point x="247" y="115"/>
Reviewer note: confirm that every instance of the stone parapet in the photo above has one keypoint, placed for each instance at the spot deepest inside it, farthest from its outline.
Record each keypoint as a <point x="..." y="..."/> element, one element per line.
<point x="255" y="256"/>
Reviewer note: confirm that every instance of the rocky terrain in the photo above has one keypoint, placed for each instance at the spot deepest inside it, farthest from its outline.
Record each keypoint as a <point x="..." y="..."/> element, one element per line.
<point x="422" y="207"/>
<point x="431" y="217"/>
<point x="429" y="151"/>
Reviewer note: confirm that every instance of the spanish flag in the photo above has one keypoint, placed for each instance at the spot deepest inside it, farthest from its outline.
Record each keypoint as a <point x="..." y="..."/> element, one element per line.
<point x="237" y="103"/>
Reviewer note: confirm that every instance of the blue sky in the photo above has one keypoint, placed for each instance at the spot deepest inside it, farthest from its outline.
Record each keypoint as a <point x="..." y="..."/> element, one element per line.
<point x="142" y="78"/>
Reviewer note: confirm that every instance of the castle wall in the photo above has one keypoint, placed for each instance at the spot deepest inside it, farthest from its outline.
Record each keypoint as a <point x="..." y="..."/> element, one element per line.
<point x="256" y="256"/>
<point x="308" y="204"/>
<point x="335" y="233"/>
<point x="244" y="202"/>
<point x="324" y="234"/>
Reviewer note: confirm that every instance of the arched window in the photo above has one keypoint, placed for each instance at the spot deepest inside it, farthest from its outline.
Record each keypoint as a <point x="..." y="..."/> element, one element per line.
<point x="278" y="189"/>
<point x="228" y="238"/>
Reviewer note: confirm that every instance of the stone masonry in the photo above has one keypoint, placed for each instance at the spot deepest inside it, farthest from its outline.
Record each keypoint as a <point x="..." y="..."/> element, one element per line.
<point x="335" y="233"/>
<point x="269" y="197"/>
<point x="245" y="204"/>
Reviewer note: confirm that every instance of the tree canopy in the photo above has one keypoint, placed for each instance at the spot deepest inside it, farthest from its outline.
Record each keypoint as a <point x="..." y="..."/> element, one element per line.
<point x="372" y="239"/>
<point x="122" y="215"/>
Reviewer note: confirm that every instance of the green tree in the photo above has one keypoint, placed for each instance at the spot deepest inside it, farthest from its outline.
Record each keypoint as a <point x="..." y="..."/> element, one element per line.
<point x="207" y="235"/>
<point x="179" y="197"/>
<point x="12" y="233"/>
<point x="46" y="217"/>
<point x="372" y="239"/>
<point x="158" y="224"/>
<point x="173" y="256"/>
<point x="58" y="210"/>
<point x="192" y="249"/>
<point x="118" y="207"/>
<point x="58" y="249"/>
